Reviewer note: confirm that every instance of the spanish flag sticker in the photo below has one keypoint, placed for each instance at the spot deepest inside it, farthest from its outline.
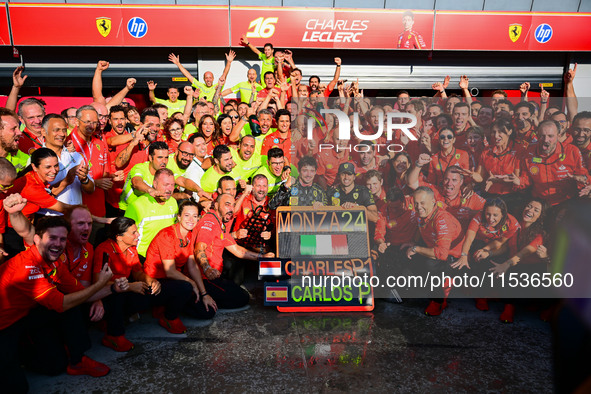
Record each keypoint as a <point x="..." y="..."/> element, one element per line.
<point x="276" y="293"/>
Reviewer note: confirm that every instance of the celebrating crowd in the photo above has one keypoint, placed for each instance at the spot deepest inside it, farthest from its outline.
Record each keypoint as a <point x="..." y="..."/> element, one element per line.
<point x="109" y="210"/>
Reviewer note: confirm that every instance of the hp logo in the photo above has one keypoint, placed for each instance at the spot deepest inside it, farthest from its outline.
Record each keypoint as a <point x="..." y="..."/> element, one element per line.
<point x="543" y="33"/>
<point x="137" y="27"/>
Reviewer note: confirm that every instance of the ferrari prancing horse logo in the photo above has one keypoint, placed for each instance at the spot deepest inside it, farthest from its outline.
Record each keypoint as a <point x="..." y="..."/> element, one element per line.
<point x="103" y="25"/>
<point x="514" y="31"/>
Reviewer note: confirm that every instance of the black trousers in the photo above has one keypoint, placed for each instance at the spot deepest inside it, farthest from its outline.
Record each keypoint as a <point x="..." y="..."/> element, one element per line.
<point x="38" y="341"/>
<point x="174" y="294"/>
<point x="226" y="294"/>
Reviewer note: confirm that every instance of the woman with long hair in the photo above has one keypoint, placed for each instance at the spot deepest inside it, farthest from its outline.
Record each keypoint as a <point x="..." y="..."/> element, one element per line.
<point x="486" y="234"/>
<point x="208" y="127"/>
<point x="120" y="252"/>
<point x="170" y="260"/>
<point x="528" y="254"/>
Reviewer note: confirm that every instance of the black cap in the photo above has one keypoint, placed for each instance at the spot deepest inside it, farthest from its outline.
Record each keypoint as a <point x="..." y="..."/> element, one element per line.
<point x="347" y="167"/>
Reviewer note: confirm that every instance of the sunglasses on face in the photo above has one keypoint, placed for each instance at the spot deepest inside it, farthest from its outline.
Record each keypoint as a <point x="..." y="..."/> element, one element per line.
<point x="446" y="137"/>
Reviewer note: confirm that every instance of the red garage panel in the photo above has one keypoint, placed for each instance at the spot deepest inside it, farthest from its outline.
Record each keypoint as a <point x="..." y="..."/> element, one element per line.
<point x="525" y="31"/>
<point x="98" y="25"/>
<point x="4" y="32"/>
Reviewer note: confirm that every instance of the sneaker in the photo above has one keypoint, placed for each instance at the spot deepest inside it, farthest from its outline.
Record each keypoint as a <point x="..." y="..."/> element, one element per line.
<point x="88" y="366"/>
<point x="482" y="304"/>
<point x="158" y="312"/>
<point x="508" y="313"/>
<point x="435" y="308"/>
<point x="118" y="344"/>
<point x="175" y="326"/>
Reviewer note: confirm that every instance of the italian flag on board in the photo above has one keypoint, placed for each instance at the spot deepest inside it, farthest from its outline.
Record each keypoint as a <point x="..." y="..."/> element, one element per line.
<point x="324" y="244"/>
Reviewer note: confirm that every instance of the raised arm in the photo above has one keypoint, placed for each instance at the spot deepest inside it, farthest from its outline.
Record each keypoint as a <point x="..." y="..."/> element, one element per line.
<point x="118" y="98"/>
<point x="244" y="41"/>
<point x="337" y="74"/>
<point x="18" y="80"/>
<point x="188" y="90"/>
<point x="151" y="87"/>
<point x="464" y="85"/>
<point x="97" y="82"/>
<point x="440" y="87"/>
<point x="13" y="205"/>
<point x="177" y="62"/>
<point x="524" y="88"/>
<point x="572" y="103"/>
<point x="230" y="56"/>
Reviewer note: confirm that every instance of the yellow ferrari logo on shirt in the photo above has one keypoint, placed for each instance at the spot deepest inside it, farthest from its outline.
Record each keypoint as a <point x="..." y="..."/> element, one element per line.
<point x="103" y="25"/>
<point x="514" y="31"/>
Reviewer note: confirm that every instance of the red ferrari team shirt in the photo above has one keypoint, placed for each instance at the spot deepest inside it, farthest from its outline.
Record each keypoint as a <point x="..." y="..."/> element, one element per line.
<point x="440" y="162"/>
<point x="121" y="263"/>
<point x="217" y="237"/>
<point x="501" y="163"/>
<point x="488" y="234"/>
<point x="410" y="39"/>
<point x="274" y="140"/>
<point x="96" y="156"/>
<point x="29" y="143"/>
<point x="551" y="176"/>
<point x="27" y="280"/>
<point x="396" y="226"/>
<point x="169" y="245"/>
<point x="80" y="266"/>
<point x="443" y="233"/>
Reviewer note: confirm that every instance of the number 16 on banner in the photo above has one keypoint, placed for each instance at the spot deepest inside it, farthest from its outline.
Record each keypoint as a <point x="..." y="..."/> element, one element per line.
<point x="262" y="27"/>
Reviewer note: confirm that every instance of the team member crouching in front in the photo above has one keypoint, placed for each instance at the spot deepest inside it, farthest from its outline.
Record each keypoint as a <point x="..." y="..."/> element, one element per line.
<point x="170" y="260"/>
<point x="487" y="232"/>
<point x="121" y="254"/>
<point x="213" y="237"/>
<point x="39" y="300"/>
<point x="438" y="244"/>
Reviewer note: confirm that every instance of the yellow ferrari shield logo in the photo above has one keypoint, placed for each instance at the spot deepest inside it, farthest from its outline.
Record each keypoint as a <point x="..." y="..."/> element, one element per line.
<point x="514" y="32"/>
<point x="104" y="26"/>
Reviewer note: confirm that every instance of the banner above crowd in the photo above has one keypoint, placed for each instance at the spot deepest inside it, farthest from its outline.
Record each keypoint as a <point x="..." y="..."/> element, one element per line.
<point x="324" y="28"/>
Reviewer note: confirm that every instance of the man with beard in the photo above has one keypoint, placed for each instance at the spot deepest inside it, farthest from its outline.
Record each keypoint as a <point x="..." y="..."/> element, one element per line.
<point x="39" y="300"/>
<point x="563" y="136"/>
<point x="179" y="163"/>
<point x="247" y="89"/>
<point x="140" y="178"/>
<point x="348" y="195"/>
<point x="137" y="150"/>
<point x="95" y="155"/>
<point x="213" y="238"/>
<point x="222" y="165"/>
<point x="73" y="177"/>
<point x="304" y="191"/>
<point x="582" y="135"/>
<point x="154" y="211"/>
<point x="195" y="170"/>
<point x="262" y="127"/>
<point x="31" y="112"/>
<point x="450" y="192"/>
<point x="247" y="159"/>
<point x="554" y="170"/>
<point x="314" y="81"/>
<point x="253" y="225"/>
<point x="10" y="135"/>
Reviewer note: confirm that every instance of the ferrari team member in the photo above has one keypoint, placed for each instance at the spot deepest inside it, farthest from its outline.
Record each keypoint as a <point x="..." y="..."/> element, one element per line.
<point x="154" y="212"/>
<point x="305" y="192"/>
<point x="348" y="194"/>
<point x="170" y="259"/>
<point x="436" y="245"/>
<point x="409" y="38"/>
<point x="213" y="237"/>
<point x="39" y="298"/>
<point x="554" y="170"/>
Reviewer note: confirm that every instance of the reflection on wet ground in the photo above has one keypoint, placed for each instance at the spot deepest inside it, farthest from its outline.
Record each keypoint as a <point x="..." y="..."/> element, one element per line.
<point x="395" y="348"/>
